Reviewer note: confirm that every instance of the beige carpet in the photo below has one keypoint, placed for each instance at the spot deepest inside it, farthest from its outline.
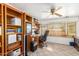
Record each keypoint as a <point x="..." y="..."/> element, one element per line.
<point x="54" y="49"/>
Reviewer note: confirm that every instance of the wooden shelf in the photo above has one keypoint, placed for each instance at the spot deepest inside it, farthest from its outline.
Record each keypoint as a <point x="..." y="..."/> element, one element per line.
<point x="11" y="33"/>
<point x="6" y="14"/>
<point x="13" y="45"/>
<point x="2" y="27"/>
<point x="13" y="25"/>
<point x="10" y="15"/>
<point x="0" y="44"/>
<point x="14" y="49"/>
<point x="0" y="14"/>
<point x="35" y="26"/>
<point x="19" y="33"/>
<point x="27" y="21"/>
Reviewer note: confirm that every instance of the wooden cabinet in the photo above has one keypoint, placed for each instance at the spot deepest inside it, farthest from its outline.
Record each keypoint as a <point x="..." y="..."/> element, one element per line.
<point x="1" y="29"/>
<point x="29" y="39"/>
<point x="28" y="20"/>
<point x="13" y="21"/>
<point x="36" y="38"/>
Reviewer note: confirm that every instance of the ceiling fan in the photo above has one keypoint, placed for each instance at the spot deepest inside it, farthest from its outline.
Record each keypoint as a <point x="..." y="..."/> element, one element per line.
<point x="53" y="11"/>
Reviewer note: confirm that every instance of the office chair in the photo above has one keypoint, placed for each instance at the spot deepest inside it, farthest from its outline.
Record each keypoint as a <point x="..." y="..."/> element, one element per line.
<point x="43" y="39"/>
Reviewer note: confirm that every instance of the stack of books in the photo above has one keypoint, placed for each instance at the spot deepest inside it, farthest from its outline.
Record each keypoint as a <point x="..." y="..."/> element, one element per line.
<point x="11" y="30"/>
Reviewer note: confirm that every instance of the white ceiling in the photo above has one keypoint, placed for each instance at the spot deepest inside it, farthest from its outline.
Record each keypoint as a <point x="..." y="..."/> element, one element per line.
<point x="33" y="9"/>
<point x="36" y="9"/>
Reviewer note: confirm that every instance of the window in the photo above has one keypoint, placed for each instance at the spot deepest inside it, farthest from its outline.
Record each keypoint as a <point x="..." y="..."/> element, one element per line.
<point x="57" y="29"/>
<point x="71" y="27"/>
<point x="60" y="29"/>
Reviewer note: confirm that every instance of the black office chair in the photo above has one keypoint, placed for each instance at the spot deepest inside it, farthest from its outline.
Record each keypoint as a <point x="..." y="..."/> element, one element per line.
<point x="43" y="39"/>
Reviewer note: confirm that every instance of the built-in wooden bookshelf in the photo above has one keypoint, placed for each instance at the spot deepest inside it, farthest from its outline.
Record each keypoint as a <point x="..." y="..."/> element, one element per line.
<point x="27" y="19"/>
<point x="13" y="24"/>
<point x="13" y="21"/>
<point x="36" y="24"/>
<point x="36" y="28"/>
<point x="1" y="30"/>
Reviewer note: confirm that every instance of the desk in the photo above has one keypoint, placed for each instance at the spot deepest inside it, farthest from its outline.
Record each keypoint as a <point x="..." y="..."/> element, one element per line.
<point x="36" y="38"/>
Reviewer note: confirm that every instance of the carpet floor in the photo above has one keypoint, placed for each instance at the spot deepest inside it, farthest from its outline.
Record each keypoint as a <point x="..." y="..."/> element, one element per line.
<point x="54" y="49"/>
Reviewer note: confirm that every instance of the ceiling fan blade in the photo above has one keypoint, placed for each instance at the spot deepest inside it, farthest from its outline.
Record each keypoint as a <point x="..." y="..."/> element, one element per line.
<point x="58" y="14"/>
<point x="58" y="8"/>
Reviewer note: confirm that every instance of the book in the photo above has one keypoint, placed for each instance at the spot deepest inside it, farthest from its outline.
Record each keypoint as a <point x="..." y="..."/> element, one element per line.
<point x="11" y="30"/>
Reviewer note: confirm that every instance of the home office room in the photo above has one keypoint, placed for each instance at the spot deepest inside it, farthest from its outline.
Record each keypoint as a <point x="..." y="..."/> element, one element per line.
<point x="40" y="29"/>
